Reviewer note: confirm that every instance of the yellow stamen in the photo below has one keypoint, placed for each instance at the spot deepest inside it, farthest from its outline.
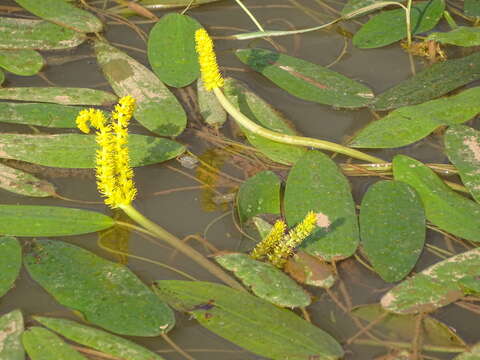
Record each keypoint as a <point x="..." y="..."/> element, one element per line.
<point x="267" y="244"/>
<point x="207" y="59"/>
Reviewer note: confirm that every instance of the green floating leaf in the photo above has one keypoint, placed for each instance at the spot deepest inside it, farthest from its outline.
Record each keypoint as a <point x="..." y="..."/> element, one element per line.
<point x="471" y="7"/>
<point x="175" y="3"/>
<point x="460" y="36"/>
<point x="64" y="14"/>
<point x="390" y="26"/>
<point x="78" y="151"/>
<point x="411" y="123"/>
<point x="259" y="111"/>
<point x="265" y="280"/>
<point x="443" y="207"/>
<point x="171" y="49"/>
<point x="259" y="194"/>
<point x="42" y="344"/>
<point x="392" y="228"/>
<point x="474" y="352"/>
<point x="38" y="220"/>
<point x="306" y="80"/>
<point x="98" y="339"/>
<point x="107" y="294"/>
<point x="157" y="108"/>
<point x="10" y="263"/>
<point x="470" y="285"/>
<point x="59" y="95"/>
<point x="462" y="145"/>
<point x="353" y="5"/>
<point x="403" y="327"/>
<point x="434" y="287"/>
<point x="38" y="114"/>
<point x="36" y="34"/>
<point x="21" y="62"/>
<point x="211" y="110"/>
<point x="11" y="328"/>
<point x="435" y="81"/>
<point x="315" y="183"/>
<point x="310" y="270"/>
<point x="249" y="322"/>
<point x="22" y="183"/>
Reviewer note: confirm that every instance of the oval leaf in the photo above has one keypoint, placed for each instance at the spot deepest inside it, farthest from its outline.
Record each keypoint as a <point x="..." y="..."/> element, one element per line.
<point x="460" y="36"/>
<point x="38" y="220"/>
<point x="21" y="62"/>
<point x="462" y="145"/>
<point x="390" y="26"/>
<point x="11" y="328"/>
<point x="63" y="14"/>
<point x="259" y="111"/>
<point x="42" y="344"/>
<point x="392" y="228"/>
<point x="306" y="80"/>
<point x="105" y="293"/>
<point x="157" y="108"/>
<point x="435" y="81"/>
<point x="315" y="183"/>
<point x="10" y="263"/>
<point x="434" y="287"/>
<point x="78" y="151"/>
<point x="411" y="123"/>
<point x="23" y="183"/>
<point x="59" y="95"/>
<point x="171" y="49"/>
<point x="310" y="270"/>
<point x="259" y="194"/>
<point x="249" y="322"/>
<point x="212" y="112"/>
<point x="443" y="207"/>
<point x="36" y="34"/>
<point x="38" y="114"/>
<point x="265" y="280"/>
<point x="98" y="339"/>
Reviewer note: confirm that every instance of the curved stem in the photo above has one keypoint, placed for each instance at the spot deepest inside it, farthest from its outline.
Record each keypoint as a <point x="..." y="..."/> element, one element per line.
<point x="290" y="139"/>
<point x="250" y="15"/>
<point x="178" y="244"/>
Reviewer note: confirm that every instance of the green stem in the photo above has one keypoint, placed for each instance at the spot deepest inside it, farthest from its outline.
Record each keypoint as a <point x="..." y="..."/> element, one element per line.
<point x="453" y="25"/>
<point x="250" y="15"/>
<point x="407" y="345"/>
<point x="408" y="11"/>
<point x="248" y="124"/>
<point x="178" y="244"/>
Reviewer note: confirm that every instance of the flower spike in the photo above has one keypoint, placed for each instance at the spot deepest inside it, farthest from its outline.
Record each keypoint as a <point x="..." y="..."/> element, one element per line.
<point x="208" y="61"/>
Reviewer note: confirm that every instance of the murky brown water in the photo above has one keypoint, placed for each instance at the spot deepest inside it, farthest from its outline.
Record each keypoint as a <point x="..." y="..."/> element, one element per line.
<point x="182" y="213"/>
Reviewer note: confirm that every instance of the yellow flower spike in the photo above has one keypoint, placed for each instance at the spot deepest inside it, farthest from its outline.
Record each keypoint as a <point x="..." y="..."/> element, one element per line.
<point x="267" y="244"/>
<point x="208" y="61"/>
<point x="84" y="117"/>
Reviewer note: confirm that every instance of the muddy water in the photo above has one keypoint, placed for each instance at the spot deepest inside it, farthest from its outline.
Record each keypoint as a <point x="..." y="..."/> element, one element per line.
<point x="183" y="212"/>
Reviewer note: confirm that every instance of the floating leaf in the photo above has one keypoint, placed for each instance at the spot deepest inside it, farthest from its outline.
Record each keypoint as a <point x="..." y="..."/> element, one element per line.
<point x="460" y="36"/>
<point x="171" y="49"/>
<point x="38" y="220"/>
<point x="59" y="95"/>
<point x="265" y="280"/>
<point x="462" y="145"/>
<point x="403" y="327"/>
<point x="435" y="81"/>
<point x="98" y="339"/>
<point x="315" y="183"/>
<point x="105" y="293"/>
<point x="443" y="207"/>
<point x="434" y="287"/>
<point x="259" y="111"/>
<point x="390" y="26"/>
<point x="392" y="228"/>
<point x="21" y="62"/>
<point x="157" y="108"/>
<point x="310" y="270"/>
<point x="23" y="183"/>
<point x="353" y="5"/>
<point x="10" y="263"/>
<point x="470" y="285"/>
<point x="11" y="329"/>
<point x="263" y="227"/>
<point x="306" y="80"/>
<point x="175" y="3"/>
<point x="411" y="123"/>
<point x="471" y="7"/>
<point x="259" y="194"/>
<point x="38" y="114"/>
<point x="249" y="322"/>
<point x="63" y="14"/>
<point x="78" y="151"/>
<point x="42" y="344"/>
<point x="212" y="112"/>
<point x="474" y="352"/>
<point x="36" y="34"/>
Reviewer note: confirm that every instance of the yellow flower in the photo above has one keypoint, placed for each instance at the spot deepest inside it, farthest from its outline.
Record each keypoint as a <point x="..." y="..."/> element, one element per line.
<point x="207" y="59"/>
<point x="266" y="245"/>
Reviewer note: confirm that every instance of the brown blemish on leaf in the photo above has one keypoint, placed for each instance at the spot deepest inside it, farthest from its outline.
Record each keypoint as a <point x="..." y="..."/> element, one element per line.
<point x="118" y="69"/>
<point x="302" y="77"/>
<point x="322" y="220"/>
<point x="7" y="330"/>
<point x="473" y="145"/>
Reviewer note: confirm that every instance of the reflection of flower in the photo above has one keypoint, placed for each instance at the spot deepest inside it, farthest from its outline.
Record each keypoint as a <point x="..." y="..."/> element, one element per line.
<point x="113" y="171"/>
<point x="208" y="62"/>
